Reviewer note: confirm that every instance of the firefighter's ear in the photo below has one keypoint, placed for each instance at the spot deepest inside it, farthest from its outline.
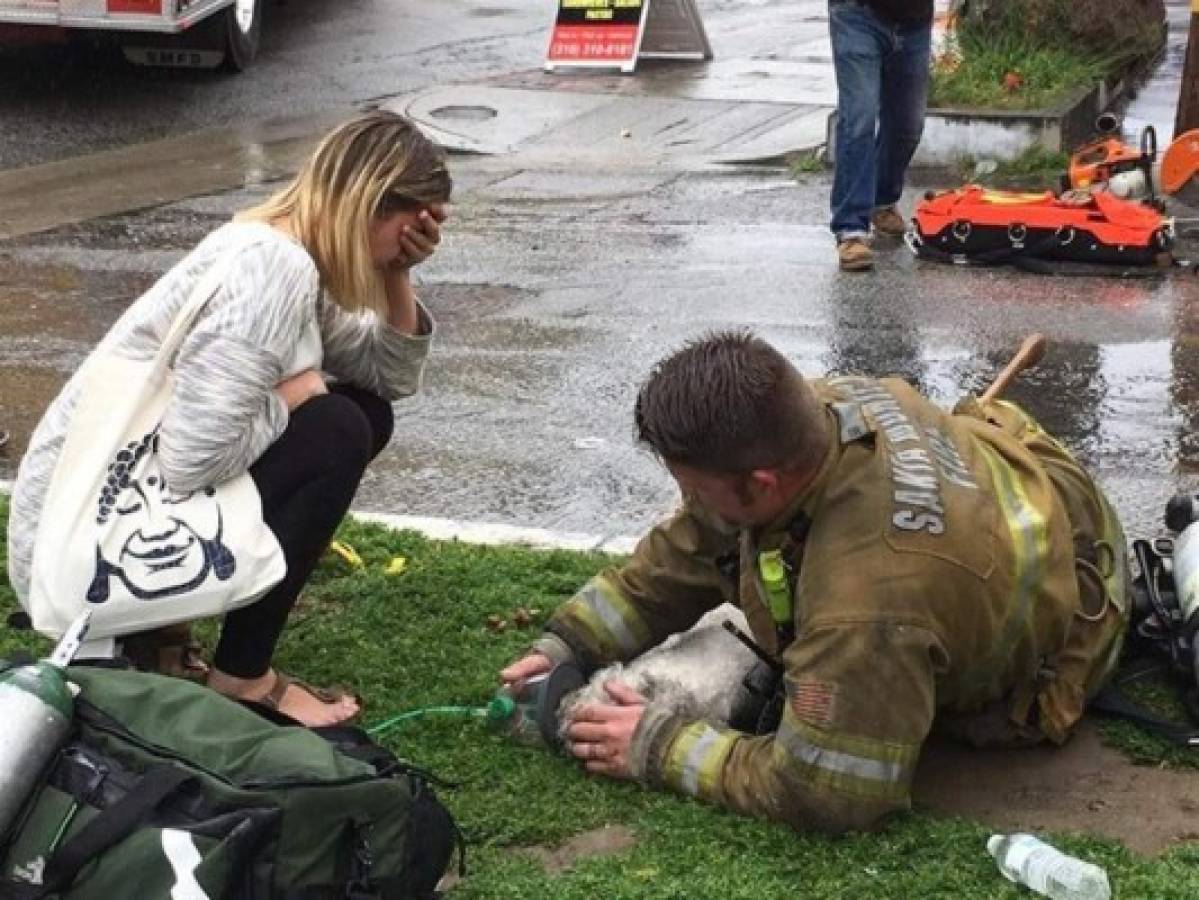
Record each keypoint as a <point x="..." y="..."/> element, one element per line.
<point x="764" y="481"/>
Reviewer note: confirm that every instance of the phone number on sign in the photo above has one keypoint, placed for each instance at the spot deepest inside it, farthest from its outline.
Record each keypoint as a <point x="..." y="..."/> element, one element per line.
<point x="592" y="51"/>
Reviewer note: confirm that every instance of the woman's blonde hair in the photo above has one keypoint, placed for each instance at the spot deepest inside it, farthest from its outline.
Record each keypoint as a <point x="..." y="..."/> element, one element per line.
<point x="375" y="164"/>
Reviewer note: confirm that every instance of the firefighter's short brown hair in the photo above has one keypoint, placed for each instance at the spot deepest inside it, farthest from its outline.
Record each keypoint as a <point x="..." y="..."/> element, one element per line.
<point x="731" y="403"/>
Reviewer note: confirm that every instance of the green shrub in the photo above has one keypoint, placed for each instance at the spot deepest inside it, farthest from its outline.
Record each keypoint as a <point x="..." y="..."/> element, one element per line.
<point x="1029" y="54"/>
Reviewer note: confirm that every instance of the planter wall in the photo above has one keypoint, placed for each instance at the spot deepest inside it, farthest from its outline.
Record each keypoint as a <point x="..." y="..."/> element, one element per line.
<point x="950" y="134"/>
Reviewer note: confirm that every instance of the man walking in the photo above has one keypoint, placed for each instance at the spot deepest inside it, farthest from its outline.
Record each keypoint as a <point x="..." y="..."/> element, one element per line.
<point x="881" y="57"/>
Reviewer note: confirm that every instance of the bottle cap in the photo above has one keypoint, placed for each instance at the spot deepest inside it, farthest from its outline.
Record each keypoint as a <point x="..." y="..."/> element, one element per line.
<point x="500" y="708"/>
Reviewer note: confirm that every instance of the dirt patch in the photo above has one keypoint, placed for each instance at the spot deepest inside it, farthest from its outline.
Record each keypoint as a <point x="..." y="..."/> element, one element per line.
<point x="599" y="842"/>
<point x="1081" y="787"/>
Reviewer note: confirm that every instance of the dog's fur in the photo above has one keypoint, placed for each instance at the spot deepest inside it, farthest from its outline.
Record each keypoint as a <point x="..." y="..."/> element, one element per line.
<point x="697" y="673"/>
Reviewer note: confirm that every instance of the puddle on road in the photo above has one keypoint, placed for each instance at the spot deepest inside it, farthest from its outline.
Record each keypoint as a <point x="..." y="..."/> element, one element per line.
<point x="26" y="392"/>
<point x="51" y="315"/>
<point x="62" y="302"/>
<point x="163" y="229"/>
<point x="598" y="284"/>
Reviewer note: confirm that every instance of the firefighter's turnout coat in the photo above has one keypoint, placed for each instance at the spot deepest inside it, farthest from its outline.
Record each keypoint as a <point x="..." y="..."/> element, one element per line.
<point x="958" y="569"/>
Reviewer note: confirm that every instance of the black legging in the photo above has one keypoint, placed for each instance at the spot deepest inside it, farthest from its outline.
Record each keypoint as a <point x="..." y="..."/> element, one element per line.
<point x="306" y="479"/>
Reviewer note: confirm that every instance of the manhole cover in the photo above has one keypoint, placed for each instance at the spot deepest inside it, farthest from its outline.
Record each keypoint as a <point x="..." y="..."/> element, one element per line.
<point x="464" y="113"/>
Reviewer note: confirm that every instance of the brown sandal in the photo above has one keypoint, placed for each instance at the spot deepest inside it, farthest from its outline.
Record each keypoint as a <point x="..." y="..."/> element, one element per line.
<point x="171" y="650"/>
<point x="325" y="695"/>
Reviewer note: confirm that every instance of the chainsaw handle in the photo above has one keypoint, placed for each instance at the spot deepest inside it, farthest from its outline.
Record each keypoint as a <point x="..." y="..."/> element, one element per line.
<point x="1032" y="349"/>
<point x="1149" y="143"/>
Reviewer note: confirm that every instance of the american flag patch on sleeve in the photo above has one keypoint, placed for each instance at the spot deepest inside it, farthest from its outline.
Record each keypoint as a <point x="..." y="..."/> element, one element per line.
<point x="814" y="701"/>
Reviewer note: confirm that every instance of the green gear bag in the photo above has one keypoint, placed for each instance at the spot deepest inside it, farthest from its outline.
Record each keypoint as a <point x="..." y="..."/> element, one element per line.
<point x="166" y="789"/>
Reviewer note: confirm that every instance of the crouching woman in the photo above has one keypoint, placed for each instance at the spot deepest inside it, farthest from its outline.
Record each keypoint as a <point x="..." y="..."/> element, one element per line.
<point x="287" y="334"/>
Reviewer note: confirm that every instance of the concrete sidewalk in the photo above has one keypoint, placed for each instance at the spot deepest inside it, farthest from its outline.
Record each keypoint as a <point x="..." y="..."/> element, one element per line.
<point x="765" y="95"/>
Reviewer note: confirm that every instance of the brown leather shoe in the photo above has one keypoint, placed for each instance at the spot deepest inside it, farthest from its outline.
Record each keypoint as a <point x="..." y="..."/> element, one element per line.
<point x="170" y="650"/>
<point x="855" y="254"/>
<point x="887" y="221"/>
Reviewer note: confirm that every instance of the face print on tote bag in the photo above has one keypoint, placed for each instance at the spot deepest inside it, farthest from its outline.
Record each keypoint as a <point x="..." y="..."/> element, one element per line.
<point x="158" y="543"/>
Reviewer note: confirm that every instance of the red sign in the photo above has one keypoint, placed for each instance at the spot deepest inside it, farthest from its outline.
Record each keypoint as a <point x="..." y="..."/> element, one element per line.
<point x="602" y="32"/>
<point x="147" y="7"/>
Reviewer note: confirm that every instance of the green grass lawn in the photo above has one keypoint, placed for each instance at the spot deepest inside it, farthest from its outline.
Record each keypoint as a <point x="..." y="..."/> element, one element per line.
<point x="421" y="639"/>
<point x="1014" y="76"/>
<point x="1027" y="57"/>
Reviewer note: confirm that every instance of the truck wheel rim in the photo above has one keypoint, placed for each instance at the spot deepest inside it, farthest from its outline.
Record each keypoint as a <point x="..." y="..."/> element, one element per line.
<point x="243" y="11"/>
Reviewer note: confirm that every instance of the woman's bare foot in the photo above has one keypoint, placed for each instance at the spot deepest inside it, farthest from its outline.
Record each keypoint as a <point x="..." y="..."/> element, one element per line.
<point x="295" y="700"/>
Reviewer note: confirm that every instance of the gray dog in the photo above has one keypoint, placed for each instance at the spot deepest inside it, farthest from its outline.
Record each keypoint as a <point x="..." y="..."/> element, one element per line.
<point x="698" y="673"/>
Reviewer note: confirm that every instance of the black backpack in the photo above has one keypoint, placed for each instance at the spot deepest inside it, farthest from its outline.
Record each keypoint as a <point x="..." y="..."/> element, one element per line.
<point x="1162" y="635"/>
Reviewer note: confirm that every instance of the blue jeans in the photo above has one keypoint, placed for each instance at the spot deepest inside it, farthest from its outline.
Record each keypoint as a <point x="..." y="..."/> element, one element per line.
<point x="882" y="90"/>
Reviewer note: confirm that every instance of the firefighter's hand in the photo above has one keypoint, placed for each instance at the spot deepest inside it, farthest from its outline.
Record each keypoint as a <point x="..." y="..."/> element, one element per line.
<point x="602" y="732"/>
<point x="525" y="668"/>
<point x="301" y="388"/>
<point x="419" y="241"/>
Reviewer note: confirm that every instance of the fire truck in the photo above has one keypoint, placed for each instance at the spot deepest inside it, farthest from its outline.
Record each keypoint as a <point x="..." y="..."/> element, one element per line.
<point x="189" y="33"/>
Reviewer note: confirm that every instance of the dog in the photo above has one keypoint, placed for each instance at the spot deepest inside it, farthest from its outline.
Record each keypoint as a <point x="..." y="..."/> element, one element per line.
<point x="697" y="673"/>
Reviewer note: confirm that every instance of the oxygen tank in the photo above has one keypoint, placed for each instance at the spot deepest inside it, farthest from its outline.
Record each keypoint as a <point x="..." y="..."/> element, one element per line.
<point x="36" y="709"/>
<point x="1182" y="517"/>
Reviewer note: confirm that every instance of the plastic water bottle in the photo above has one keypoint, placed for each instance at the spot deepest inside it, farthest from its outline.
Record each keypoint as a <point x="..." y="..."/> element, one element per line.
<point x="1027" y="860"/>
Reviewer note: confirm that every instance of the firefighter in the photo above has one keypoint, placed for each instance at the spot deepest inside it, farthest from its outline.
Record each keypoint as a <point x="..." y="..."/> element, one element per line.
<point x="907" y="567"/>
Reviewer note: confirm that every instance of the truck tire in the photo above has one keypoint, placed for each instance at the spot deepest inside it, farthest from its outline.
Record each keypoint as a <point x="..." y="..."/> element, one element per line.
<point x="241" y="26"/>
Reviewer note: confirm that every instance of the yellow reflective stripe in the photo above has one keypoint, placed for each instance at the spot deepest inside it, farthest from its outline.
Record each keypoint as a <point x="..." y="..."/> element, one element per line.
<point x="1029" y="422"/>
<point x="858" y="766"/>
<point x="695" y="761"/>
<point x="610" y="617"/>
<point x="1030" y="545"/>
<point x="598" y="636"/>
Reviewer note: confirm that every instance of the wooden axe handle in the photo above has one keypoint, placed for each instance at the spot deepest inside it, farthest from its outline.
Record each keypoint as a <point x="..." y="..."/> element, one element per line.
<point x="1029" y="354"/>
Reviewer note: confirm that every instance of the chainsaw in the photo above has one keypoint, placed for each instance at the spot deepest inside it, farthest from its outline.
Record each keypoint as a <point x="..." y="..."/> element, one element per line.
<point x="1133" y="173"/>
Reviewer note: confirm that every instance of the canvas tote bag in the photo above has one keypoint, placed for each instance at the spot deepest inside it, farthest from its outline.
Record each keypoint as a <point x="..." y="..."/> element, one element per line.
<point x="114" y="538"/>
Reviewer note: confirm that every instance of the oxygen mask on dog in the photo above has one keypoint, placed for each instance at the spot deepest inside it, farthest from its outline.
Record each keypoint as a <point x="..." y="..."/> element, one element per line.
<point x="534" y="705"/>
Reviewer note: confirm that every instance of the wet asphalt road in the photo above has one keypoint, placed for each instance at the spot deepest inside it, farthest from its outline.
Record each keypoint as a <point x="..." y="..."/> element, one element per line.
<point x="557" y="289"/>
<point x="57" y="102"/>
<point x="556" y="292"/>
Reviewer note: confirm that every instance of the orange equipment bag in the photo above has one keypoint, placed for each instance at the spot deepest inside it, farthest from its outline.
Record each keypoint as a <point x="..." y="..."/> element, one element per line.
<point x="984" y="227"/>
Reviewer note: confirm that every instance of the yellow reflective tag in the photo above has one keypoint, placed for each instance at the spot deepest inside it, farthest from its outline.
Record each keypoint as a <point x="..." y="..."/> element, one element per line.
<point x="774" y="579"/>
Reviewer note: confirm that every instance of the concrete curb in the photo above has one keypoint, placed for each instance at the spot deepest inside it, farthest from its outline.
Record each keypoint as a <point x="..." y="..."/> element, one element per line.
<point x="487" y="533"/>
<point x="496" y="534"/>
